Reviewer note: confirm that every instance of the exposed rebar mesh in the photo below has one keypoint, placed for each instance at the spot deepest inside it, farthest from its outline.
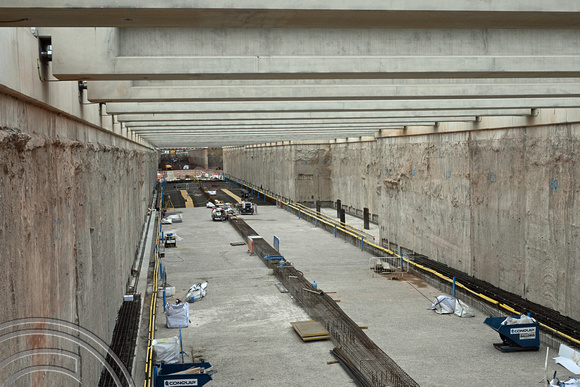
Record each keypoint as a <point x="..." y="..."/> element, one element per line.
<point x="365" y="360"/>
<point x="124" y="340"/>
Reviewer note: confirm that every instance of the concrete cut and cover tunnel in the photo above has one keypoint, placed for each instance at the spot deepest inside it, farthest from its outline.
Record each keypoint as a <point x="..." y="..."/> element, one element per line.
<point x="456" y="125"/>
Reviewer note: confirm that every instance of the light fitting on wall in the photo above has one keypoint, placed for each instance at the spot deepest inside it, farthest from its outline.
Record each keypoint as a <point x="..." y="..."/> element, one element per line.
<point x="44" y="56"/>
<point x="45" y="49"/>
<point x="82" y="85"/>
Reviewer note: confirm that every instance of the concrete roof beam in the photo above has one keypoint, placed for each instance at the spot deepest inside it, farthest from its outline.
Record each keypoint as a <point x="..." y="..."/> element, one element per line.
<point x="124" y="92"/>
<point x="310" y="13"/>
<point x="319" y="115"/>
<point x="173" y="54"/>
<point x="327" y="106"/>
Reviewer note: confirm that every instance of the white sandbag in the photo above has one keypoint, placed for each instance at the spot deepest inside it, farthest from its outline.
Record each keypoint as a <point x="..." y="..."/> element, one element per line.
<point x="443" y="305"/>
<point x="462" y="309"/>
<point x="569" y="358"/>
<point x="176" y="218"/>
<point x="196" y="292"/>
<point x="523" y="319"/>
<point x="177" y="315"/>
<point x="572" y="382"/>
<point x="166" y="351"/>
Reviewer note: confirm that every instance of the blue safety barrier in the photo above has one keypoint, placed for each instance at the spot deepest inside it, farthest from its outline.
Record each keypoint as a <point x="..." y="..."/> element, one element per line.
<point x="164" y="300"/>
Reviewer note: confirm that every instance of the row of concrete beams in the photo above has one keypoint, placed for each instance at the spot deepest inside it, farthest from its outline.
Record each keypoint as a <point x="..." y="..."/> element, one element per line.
<point x="255" y="68"/>
<point x="125" y="91"/>
<point x="307" y="13"/>
<point x="220" y="140"/>
<point x="499" y="41"/>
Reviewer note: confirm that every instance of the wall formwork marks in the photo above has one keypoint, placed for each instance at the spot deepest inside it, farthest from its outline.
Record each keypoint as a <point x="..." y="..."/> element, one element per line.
<point x="502" y="205"/>
<point x="73" y="206"/>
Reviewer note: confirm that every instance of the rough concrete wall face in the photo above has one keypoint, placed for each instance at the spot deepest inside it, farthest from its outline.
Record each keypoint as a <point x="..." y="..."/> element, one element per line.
<point x="426" y="202"/>
<point x="312" y="173"/>
<point x="501" y="205"/>
<point x="71" y="219"/>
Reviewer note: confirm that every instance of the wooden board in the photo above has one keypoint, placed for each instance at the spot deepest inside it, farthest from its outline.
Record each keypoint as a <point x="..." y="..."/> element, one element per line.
<point x="310" y="330"/>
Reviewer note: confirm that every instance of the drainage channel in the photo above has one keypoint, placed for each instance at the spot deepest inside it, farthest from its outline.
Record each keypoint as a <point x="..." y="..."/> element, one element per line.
<point x="551" y="322"/>
<point x="124" y="339"/>
<point x="364" y="360"/>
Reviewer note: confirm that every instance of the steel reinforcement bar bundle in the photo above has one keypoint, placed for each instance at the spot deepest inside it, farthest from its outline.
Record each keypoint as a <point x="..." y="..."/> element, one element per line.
<point x="366" y="362"/>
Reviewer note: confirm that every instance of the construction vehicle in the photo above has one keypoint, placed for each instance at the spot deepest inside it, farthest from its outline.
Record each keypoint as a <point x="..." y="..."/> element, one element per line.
<point x="218" y="213"/>
<point x="246" y="208"/>
<point x="170" y="240"/>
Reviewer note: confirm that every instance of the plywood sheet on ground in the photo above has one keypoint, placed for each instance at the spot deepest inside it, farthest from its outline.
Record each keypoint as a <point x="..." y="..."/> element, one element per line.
<point x="310" y="330"/>
<point x="232" y="195"/>
<point x="188" y="201"/>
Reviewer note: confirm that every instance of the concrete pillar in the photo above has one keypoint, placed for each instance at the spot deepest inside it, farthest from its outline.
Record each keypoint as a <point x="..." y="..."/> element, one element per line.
<point x="366" y="218"/>
<point x="205" y="159"/>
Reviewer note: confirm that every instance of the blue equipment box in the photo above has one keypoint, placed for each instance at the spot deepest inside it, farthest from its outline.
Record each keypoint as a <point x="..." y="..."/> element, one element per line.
<point x="515" y="337"/>
<point x="162" y="376"/>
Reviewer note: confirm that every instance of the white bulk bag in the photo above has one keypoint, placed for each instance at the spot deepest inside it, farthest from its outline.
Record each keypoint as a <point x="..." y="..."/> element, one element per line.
<point x="462" y="309"/>
<point x="177" y="315"/>
<point x="166" y="351"/>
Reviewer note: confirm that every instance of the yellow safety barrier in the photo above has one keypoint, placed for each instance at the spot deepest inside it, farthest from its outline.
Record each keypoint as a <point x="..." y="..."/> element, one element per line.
<point x="152" y="309"/>
<point x="321" y="215"/>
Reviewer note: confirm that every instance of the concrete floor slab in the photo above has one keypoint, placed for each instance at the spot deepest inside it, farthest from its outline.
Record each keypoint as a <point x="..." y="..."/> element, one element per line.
<point x="243" y="325"/>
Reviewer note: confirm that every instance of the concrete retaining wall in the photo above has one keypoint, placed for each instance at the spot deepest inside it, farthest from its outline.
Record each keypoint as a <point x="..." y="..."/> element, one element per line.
<point x="501" y="205"/>
<point x="74" y="199"/>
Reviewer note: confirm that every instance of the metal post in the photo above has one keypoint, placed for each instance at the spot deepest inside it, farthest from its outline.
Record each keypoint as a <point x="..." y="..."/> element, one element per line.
<point x="362" y="239"/>
<point x="343" y="216"/>
<point x="315" y="220"/>
<point x="299" y="213"/>
<point x="318" y="206"/>
<point x="453" y="287"/>
<point x="164" y="300"/>
<point x="335" y="230"/>
<point x="338" y="208"/>
<point x="181" y="344"/>
<point x="366" y="219"/>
